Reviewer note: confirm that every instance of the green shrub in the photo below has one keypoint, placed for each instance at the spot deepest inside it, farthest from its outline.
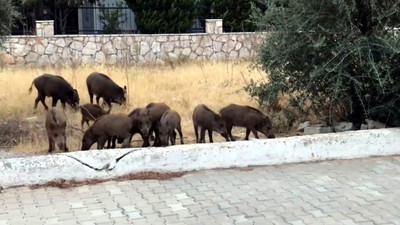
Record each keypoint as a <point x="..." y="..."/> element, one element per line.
<point x="235" y="14"/>
<point x="8" y="14"/>
<point x="111" y="18"/>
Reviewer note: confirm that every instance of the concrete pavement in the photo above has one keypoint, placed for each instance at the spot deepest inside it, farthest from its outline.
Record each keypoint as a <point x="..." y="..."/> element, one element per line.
<point x="362" y="191"/>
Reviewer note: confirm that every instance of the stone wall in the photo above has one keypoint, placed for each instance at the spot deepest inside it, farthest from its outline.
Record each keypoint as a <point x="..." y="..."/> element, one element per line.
<point x="45" y="49"/>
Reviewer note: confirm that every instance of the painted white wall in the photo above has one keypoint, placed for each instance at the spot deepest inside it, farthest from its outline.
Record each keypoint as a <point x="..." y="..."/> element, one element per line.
<point x="348" y="145"/>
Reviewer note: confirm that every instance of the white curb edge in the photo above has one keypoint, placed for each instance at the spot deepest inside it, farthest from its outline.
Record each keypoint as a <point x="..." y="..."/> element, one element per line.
<point x="106" y="164"/>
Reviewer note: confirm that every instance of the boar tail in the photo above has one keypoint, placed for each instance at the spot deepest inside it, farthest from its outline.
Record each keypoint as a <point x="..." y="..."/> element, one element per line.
<point x="30" y="89"/>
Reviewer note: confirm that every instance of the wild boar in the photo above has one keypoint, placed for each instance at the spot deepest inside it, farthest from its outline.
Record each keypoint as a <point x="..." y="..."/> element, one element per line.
<point x="245" y="116"/>
<point x="155" y="111"/>
<point x="56" y="87"/>
<point x="56" y="123"/>
<point x="105" y="128"/>
<point x="207" y="119"/>
<point x="141" y="124"/>
<point x="169" y="122"/>
<point x="90" y="112"/>
<point x="103" y="87"/>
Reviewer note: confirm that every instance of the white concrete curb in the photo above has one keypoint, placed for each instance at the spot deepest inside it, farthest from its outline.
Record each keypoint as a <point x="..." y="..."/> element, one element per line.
<point x="94" y="164"/>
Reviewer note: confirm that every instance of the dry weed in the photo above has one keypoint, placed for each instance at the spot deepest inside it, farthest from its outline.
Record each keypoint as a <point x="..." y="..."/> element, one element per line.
<point x="182" y="87"/>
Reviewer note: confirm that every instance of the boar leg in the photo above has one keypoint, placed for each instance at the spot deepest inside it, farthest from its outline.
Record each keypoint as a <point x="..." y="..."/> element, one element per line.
<point x="90" y="96"/>
<point x="171" y="137"/>
<point x="65" y="144"/>
<point x="41" y="97"/>
<point x="97" y="99"/>
<point x="51" y="144"/>
<point x="255" y="133"/>
<point x="247" y="134"/>
<point x="101" y="142"/>
<point x="83" y="122"/>
<point x="63" y="104"/>
<point x="202" y="135"/>
<point x="196" y="133"/>
<point x="210" y="135"/>
<point x="180" y="134"/>
<point x="229" y="129"/>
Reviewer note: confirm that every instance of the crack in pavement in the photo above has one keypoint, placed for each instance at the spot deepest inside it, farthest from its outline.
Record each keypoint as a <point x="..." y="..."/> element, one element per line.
<point x="108" y="166"/>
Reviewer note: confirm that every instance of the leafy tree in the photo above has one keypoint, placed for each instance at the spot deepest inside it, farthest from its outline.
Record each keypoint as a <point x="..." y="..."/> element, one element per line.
<point x="8" y="14"/>
<point x="62" y="8"/>
<point x="164" y="16"/>
<point x="336" y="53"/>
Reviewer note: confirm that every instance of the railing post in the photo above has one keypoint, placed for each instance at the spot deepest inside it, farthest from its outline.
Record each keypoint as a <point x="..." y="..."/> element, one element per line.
<point x="214" y="26"/>
<point x="44" y="28"/>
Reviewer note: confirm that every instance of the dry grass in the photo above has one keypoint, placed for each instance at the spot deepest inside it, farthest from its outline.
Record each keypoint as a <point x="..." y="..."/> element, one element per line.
<point x="215" y="84"/>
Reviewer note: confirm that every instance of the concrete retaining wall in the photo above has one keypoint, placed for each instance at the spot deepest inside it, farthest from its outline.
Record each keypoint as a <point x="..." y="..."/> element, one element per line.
<point x="94" y="164"/>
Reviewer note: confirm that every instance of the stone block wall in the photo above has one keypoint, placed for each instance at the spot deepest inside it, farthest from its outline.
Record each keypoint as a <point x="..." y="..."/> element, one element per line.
<point x="45" y="49"/>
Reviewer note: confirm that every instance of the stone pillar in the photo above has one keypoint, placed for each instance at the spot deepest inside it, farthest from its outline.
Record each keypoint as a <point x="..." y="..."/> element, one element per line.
<point x="44" y="28"/>
<point x="214" y="26"/>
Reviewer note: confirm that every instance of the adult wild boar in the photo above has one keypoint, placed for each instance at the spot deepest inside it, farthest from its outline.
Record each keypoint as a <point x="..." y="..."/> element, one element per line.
<point x="57" y="88"/>
<point x="56" y="122"/>
<point x="169" y="122"/>
<point x="103" y="87"/>
<point x="207" y="119"/>
<point x="245" y="116"/>
<point x="105" y="128"/>
<point x="90" y="112"/>
<point x="155" y="111"/>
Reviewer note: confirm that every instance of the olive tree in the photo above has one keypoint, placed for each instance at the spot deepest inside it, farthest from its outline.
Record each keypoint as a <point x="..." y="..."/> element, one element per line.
<point x="332" y="53"/>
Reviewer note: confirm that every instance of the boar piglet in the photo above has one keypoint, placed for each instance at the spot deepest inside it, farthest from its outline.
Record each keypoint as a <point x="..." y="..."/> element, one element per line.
<point x="56" y="122"/>
<point x="91" y="112"/>
<point x="169" y="122"/>
<point x="105" y="128"/>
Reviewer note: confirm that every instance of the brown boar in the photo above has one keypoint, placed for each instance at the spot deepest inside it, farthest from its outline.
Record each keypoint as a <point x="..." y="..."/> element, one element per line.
<point x="57" y="88"/>
<point x="103" y="87"/>
<point x="169" y="122"/>
<point x="207" y="119"/>
<point x="56" y="123"/>
<point x="141" y="124"/>
<point x="250" y="118"/>
<point x="105" y="128"/>
<point x="90" y="112"/>
<point x="155" y="111"/>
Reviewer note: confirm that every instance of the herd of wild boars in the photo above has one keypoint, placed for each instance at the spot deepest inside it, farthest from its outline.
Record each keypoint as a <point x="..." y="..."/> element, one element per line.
<point x="154" y="121"/>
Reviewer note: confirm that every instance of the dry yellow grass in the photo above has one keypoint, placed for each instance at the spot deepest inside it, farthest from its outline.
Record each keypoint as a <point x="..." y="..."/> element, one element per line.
<point x="215" y="84"/>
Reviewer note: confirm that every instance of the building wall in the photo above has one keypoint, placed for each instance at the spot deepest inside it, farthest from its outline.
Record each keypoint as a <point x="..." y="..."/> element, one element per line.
<point x="49" y="50"/>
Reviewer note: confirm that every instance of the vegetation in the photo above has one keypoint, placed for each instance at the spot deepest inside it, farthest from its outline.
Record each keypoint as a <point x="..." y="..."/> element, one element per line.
<point x="111" y="18"/>
<point x="235" y="14"/>
<point x="167" y="16"/>
<point x="62" y="8"/>
<point x="339" y="55"/>
<point x="7" y="16"/>
<point x="182" y="86"/>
